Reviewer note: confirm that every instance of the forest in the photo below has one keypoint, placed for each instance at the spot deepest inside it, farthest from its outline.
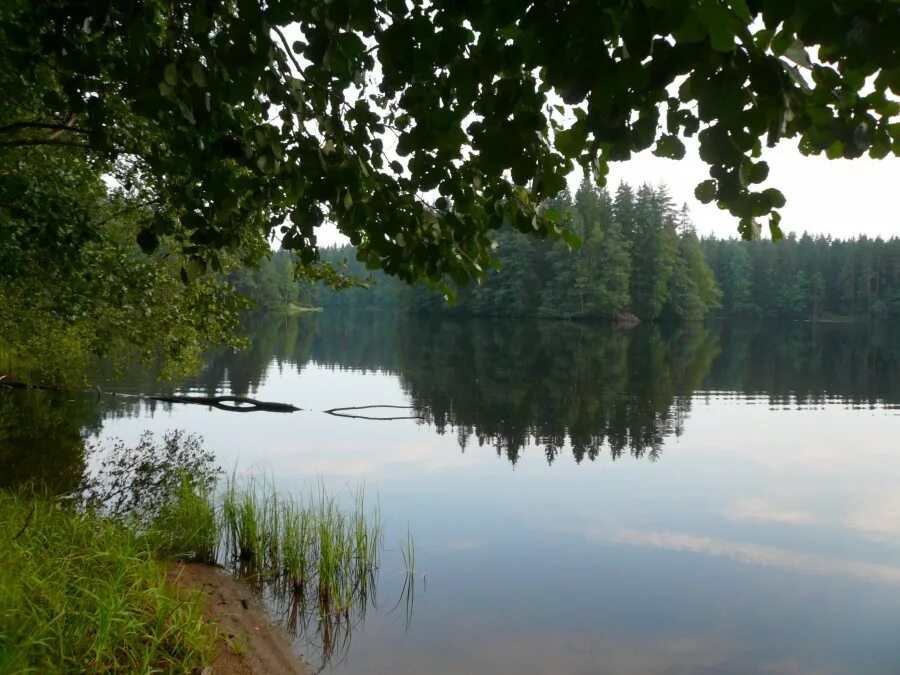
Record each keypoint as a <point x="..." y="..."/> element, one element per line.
<point x="639" y="256"/>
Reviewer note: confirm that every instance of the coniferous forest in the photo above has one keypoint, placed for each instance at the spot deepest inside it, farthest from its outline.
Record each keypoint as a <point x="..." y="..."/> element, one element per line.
<point x="639" y="256"/>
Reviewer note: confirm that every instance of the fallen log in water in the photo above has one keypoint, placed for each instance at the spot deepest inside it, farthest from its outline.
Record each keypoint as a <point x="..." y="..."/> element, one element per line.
<point x="240" y="403"/>
<point x="12" y="384"/>
<point x="235" y="403"/>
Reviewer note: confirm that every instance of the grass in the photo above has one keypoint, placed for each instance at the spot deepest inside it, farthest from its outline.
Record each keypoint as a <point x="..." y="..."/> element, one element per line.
<point x="84" y="590"/>
<point x="309" y="549"/>
<point x="408" y="551"/>
<point x="81" y="593"/>
<point x="187" y="526"/>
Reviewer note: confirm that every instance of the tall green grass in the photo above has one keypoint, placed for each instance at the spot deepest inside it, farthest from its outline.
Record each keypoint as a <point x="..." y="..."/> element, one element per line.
<point x="311" y="549"/>
<point x="188" y="526"/>
<point x="82" y="589"/>
<point x="81" y="593"/>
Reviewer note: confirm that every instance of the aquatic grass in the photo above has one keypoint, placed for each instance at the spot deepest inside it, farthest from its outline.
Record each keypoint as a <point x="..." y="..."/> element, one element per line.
<point x="296" y="549"/>
<point x="242" y="521"/>
<point x="408" y="551"/>
<point x="312" y="549"/>
<point x="83" y="593"/>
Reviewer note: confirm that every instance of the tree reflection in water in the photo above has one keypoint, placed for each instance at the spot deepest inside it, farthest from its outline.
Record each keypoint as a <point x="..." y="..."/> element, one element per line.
<point x="498" y="382"/>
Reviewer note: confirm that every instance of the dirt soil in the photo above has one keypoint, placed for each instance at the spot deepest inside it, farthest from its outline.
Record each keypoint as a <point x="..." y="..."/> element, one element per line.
<point x="250" y="643"/>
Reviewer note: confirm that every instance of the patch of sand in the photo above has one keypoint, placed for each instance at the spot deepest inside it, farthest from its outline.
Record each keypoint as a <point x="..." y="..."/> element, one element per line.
<point x="251" y="644"/>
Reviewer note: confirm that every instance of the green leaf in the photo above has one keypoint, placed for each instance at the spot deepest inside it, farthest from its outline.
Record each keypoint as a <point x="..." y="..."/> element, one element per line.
<point x="170" y="75"/>
<point x="705" y="192"/>
<point x="669" y="146"/>
<point x="570" y="142"/>
<point x="763" y="39"/>
<point x="372" y="261"/>
<point x="835" y="150"/>
<point x="775" y="226"/>
<point x="774" y="197"/>
<point x="753" y="172"/>
<point x="405" y="145"/>
<point x="722" y="24"/>
<point x="348" y="201"/>
<point x="571" y="239"/>
<point x="148" y="241"/>
<point x="553" y="215"/>
<point x="198" y="74"/>
<point x="782" y="42"/>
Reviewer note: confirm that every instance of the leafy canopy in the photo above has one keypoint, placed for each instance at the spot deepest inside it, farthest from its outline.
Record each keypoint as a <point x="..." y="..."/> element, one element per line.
<point x="233" y="120"/>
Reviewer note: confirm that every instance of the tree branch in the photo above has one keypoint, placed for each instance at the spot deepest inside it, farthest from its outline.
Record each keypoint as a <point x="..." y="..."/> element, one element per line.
<point x="42" y="141"/>
<point x="41" y="125"/>
<point x="287" y="48"/>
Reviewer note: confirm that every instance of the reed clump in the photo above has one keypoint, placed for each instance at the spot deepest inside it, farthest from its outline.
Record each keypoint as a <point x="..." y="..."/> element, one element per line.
<point x="309" y="548"/>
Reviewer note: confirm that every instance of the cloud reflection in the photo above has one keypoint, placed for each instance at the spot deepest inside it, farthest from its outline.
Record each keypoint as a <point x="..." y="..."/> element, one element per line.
<point x="763" y="556"/>
<point x="761" y="510"/>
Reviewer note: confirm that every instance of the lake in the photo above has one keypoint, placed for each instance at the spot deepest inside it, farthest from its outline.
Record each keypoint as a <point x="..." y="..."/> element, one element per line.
<point x="712" y="498"/>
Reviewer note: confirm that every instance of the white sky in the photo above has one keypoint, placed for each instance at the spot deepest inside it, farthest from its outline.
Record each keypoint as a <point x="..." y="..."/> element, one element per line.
<point x="841" y="198"/>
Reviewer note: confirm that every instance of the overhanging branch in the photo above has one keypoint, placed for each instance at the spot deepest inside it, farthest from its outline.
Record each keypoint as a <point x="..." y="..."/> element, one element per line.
<point x="24" y="142"/>
<point x="16" y="126"/>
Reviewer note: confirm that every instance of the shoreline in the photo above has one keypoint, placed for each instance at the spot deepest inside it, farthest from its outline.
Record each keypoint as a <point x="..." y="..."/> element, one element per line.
<point x="249" y="642"/>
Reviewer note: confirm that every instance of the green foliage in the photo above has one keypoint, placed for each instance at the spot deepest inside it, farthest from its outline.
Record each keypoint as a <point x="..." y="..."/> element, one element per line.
<point x="233" y="131"/>
<point x="808" y="277"/>
<point x="74" y="284"/>
<point x="273" y="285"/>
<point x="187" y="525"/>
<point x="80" y="593"/>
<point x="140" y="481"/>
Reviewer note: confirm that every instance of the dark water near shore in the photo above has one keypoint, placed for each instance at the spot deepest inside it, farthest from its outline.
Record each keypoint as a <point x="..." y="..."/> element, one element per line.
<point x="715" y="499"/>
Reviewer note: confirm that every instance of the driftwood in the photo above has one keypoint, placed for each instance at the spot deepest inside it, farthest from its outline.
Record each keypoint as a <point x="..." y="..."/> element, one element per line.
<point x="237" y="403"/>
<point x="340" y="412"/>
<point x="240" y="403"/>
<point x="12" y="384"/>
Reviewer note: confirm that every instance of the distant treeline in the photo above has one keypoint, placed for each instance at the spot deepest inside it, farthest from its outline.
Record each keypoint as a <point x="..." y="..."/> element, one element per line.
<point x="809" y="277"/>
<point x="272" y="286"/>
<point x="639" y="256"/>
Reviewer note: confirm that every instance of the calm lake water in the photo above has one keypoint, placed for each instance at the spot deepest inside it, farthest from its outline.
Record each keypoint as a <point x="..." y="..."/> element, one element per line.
<point x="714" y="499"/>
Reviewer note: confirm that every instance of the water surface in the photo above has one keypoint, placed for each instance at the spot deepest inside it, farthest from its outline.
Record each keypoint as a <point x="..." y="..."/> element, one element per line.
<point x="719" y="498"/>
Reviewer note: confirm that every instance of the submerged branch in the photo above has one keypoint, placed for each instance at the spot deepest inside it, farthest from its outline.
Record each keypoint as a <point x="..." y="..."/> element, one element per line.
<point x="339" y="412"/>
